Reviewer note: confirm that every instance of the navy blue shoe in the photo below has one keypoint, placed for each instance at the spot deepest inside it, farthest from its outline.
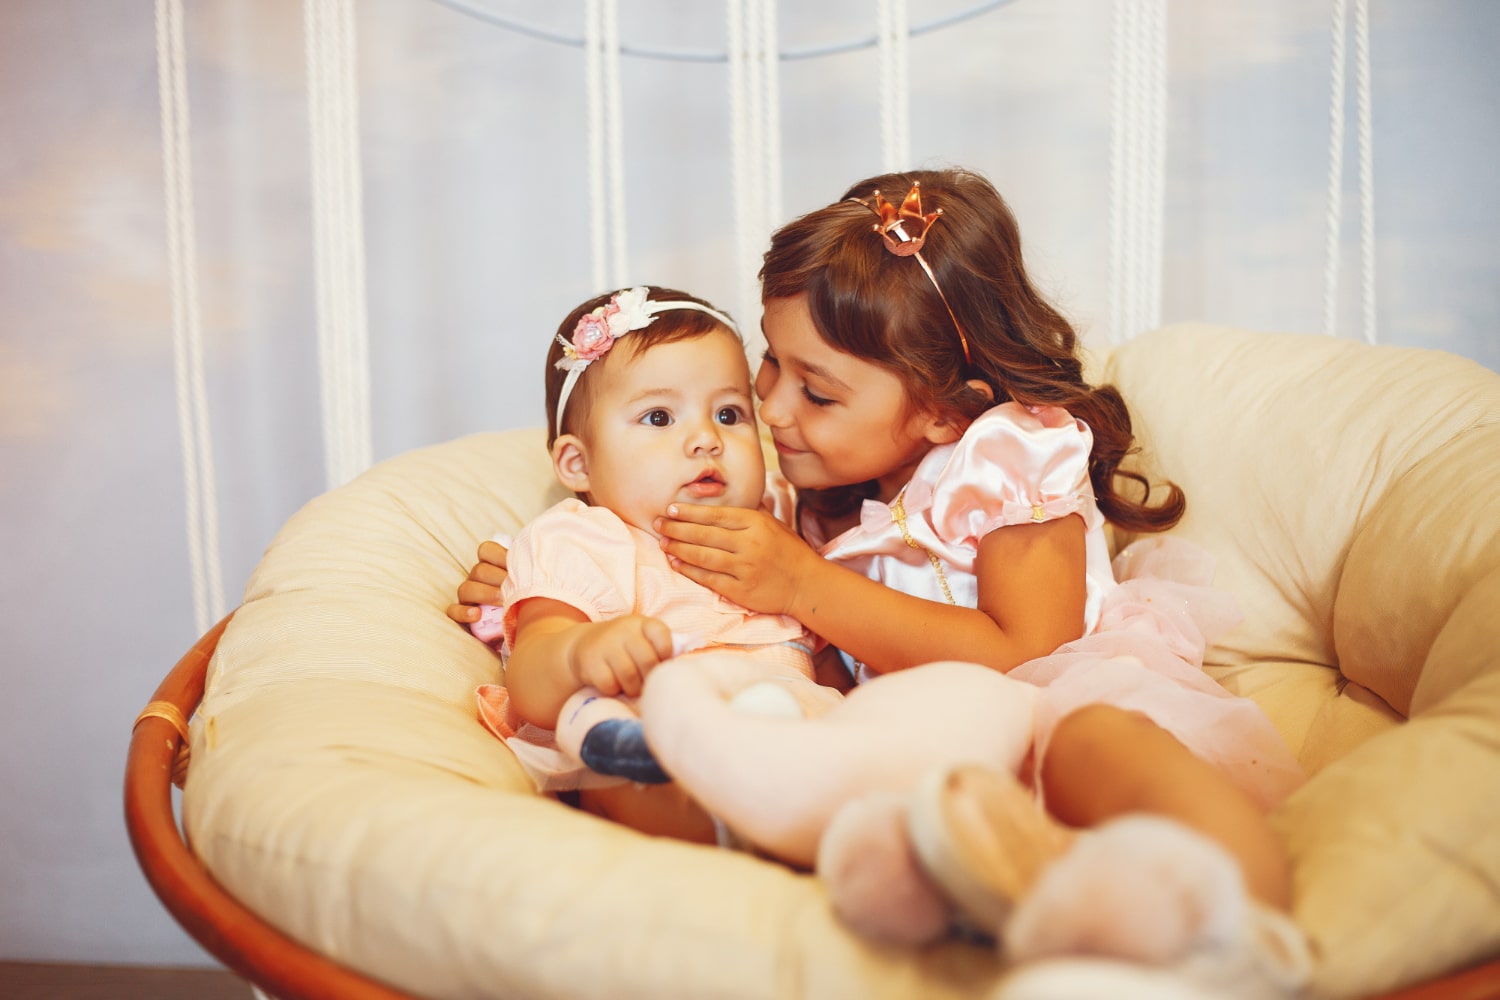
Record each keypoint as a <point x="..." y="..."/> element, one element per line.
<point x="618" y="747"/>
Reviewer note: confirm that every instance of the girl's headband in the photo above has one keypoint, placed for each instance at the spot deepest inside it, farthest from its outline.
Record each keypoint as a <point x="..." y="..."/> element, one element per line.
<point x="904" y="232"/>
<point x="596" y="332"/>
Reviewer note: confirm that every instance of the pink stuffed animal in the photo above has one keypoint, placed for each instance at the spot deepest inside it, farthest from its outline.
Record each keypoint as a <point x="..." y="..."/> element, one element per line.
<point x="829" y="790"/>
<point x="904" y="797"/>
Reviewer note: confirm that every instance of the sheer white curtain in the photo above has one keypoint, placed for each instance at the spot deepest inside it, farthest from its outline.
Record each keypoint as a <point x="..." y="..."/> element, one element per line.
<point x="479" y="175"/>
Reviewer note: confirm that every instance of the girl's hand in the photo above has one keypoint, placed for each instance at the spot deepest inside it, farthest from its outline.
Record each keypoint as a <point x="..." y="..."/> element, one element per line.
<point x="482" y="586"/>
<point x="615" y="656"/>
<point x="746" y="555"/>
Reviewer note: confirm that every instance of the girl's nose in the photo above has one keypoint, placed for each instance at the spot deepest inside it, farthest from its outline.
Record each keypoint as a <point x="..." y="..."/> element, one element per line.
<point x="773" y="410"/>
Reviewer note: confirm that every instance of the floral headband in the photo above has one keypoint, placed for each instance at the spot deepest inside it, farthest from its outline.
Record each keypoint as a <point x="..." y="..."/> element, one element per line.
<point x="596" y="332"/>
<point x="905" y="231"/>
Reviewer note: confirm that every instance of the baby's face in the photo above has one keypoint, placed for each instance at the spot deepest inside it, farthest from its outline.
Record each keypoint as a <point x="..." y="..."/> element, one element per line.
<point x="674" y="424"/>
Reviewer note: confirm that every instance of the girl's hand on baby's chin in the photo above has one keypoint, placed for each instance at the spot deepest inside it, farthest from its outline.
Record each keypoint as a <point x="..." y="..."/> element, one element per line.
<point x="746" y="555"/>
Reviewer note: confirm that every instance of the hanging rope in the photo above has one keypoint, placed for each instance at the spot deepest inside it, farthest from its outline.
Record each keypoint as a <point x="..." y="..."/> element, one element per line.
<point x="606" y="142"/>
<point x="481" y="13"/>
<point x="1137" y="166"/>
<point x="1366" y="166"/>
<point x="1335" y="216"/>
<point x="338" y="237"/>
<point x="755" y="142"/>
<point x="895" y="90"/>
<point x="1364" y="138"/>
<point x="200" y="494"/>
<point x="593" y="75"/>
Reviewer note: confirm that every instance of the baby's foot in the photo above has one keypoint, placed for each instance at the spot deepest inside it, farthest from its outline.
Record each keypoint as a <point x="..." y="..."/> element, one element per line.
<point x="873" y="879"/>
<point x="984" y="839"/>
<point x="618" y="747"/>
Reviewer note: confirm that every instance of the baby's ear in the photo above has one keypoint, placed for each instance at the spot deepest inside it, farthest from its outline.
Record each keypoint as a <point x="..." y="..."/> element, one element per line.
<point x="570" y="463"/>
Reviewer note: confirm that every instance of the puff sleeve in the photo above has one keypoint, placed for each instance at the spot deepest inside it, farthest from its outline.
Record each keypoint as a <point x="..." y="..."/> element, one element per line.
<point x="1015" y="464"/>
<point x="582" y="556"/>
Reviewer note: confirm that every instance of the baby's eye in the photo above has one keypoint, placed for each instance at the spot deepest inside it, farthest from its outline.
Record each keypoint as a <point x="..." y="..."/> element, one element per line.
<point x="769" y="358"/>
<point x="730" y="415"/>
<point x="815" y="399"/>
<point x="657" y="418"/>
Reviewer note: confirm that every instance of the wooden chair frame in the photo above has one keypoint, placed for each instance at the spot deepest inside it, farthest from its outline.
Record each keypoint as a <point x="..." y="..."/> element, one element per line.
<point x="289" y="970"/>
<point x="252" y="948"/>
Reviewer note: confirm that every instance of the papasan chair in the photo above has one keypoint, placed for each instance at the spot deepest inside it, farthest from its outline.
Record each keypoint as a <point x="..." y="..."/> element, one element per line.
<point x="348" y="829"/>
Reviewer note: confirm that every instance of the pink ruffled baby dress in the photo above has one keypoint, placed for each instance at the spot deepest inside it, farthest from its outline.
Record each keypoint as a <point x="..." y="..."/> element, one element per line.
<point x="588" y="558"/>
<point x="1149" y="616"/>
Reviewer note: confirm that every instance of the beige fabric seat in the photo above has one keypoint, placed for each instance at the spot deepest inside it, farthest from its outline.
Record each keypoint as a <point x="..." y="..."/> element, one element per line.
<point x="341" y="787"/>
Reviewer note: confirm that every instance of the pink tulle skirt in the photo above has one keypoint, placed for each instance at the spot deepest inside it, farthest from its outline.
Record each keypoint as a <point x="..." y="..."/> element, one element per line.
<point x="1146" y="656"/>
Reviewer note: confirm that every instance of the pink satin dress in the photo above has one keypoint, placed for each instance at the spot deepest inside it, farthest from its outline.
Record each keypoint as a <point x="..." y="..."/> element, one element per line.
<point x="1149" y="615"/>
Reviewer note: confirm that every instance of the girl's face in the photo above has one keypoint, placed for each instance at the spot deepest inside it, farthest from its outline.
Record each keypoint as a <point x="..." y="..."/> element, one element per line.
<point x="836" y="418"/>
<point x="675" y="423"/>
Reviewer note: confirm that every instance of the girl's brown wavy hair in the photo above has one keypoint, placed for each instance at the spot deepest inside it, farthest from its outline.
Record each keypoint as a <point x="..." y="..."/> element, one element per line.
<point x="872" y="304"/>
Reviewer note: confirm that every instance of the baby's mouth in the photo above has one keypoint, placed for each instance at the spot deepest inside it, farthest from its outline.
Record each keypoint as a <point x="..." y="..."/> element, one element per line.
<point x="709" y="484"/>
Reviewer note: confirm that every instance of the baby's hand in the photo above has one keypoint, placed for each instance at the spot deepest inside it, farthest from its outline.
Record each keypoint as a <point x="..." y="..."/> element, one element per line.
<point x="482" y="586"/>
<point x="614" y="656"/>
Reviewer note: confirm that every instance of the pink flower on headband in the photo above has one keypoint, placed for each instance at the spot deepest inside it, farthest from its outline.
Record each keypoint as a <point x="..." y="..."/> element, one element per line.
<point x="596" y="332"/>
<point x="592" y="336"/>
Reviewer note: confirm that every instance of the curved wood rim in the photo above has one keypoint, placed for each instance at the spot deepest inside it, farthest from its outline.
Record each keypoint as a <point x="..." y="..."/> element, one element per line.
<point x="235" y="936"/>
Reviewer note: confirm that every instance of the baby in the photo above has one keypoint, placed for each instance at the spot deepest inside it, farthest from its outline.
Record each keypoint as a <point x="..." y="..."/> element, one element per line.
<point x="649" y="403"/>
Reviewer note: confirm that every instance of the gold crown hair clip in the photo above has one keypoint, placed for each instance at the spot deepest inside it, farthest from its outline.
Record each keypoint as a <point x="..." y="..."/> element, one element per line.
<point x="904" y="230"/>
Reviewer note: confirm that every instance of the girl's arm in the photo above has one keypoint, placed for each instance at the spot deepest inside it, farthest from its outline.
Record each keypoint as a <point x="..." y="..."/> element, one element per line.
<point x="558" y="650"/>
<point x="1032" y="590"/>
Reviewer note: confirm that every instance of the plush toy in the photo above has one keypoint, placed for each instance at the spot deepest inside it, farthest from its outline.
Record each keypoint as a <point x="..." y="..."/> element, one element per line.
<point x="904" y="797"/>
<point x="830" y="791"/>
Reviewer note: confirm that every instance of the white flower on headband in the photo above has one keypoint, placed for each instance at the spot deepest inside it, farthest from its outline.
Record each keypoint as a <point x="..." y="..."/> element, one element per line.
<point x="597" y="331"/>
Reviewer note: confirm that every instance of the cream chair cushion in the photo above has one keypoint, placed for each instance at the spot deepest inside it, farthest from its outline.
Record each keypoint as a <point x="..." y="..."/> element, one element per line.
<point x="342" y="788"/>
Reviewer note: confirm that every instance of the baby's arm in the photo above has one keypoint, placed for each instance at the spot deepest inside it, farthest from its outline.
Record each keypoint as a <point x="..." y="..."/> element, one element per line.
<point x="1031" y="590"/>
<point x="482" y="586"/>
<point x="558" y="650"/>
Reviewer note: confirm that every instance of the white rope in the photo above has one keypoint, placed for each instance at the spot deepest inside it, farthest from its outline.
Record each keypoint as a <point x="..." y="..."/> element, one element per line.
<point x="194" y="431"/>
<point x="1155" y="165"/>
<point x="755" y="143"/>
<point x="1137" y="166"/>
<point x="739" y="153"/>
<point x="1335" y="217"/>
<point x="338" y="237"/>
<point x="1366" y="166"/>
<point x="1117" y="160"/>
<point x="895" y="91"/>
<point x="940" y="23"/>
<point x="771" y="83"/>
<point x="615" y="150"/>
<point x="593" y="71"/>
<point x="606" y="143"/>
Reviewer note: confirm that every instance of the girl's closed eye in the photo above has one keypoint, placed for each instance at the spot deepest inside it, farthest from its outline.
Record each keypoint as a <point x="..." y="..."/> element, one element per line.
<point x="657" y="418"/>
<point x="814" y="398"/>
<point x="807" y="393"/>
